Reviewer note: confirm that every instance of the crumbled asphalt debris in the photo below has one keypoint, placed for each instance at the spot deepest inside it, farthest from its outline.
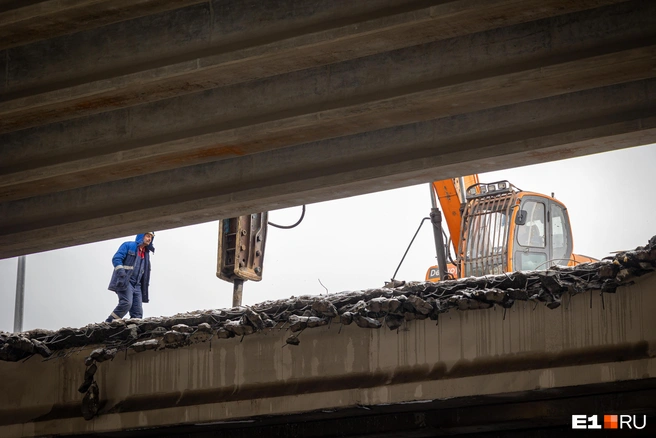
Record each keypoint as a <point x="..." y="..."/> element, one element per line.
<point x="103" y="354"/>
<point x="88" y="378"/>
<point x="150" y="344"/>
<point x="175" y="339"/>
<point x="91" y="402"/>
<point x="388" y="306"/>
<point x="184" y="328"/>
<point x="293" y="340"/>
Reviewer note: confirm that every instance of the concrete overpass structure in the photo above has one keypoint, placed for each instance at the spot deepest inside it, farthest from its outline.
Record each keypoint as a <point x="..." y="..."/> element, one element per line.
<point x="506" y="370"/>
<point x="115" y="115"/>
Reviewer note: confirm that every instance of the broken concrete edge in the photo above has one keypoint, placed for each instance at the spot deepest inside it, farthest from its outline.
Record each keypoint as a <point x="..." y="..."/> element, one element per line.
<point x="391" y="305"/>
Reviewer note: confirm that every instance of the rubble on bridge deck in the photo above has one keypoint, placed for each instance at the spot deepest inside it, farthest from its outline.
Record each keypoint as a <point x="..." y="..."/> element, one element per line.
<point x="388" y="306"/>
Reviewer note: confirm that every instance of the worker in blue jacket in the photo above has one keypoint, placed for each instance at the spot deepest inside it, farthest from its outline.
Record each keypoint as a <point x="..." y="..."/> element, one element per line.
<point x="131" y="276"/>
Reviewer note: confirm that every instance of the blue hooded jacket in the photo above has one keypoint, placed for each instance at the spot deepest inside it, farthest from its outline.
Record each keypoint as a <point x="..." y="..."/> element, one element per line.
<point x="124" y="263"/>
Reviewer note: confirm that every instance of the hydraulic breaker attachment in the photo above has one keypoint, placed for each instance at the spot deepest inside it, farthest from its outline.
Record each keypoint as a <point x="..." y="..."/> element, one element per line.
<point x="240" y="255"/>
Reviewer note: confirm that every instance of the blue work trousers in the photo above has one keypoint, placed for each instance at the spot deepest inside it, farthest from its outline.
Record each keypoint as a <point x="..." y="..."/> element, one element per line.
<point x="129" y="300"/>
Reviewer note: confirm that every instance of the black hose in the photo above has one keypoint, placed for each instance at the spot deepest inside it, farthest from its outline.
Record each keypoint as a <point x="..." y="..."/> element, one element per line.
<point x="448" y="248"/>
<point x="287" y="227"/>
<point x="408" y="249"/>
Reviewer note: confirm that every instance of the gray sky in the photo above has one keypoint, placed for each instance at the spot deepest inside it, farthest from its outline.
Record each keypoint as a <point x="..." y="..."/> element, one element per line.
<point x="348" y="244"/>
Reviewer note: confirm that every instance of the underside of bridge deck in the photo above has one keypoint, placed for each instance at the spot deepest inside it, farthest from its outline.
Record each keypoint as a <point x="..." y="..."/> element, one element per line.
<point x="118" y="114"/>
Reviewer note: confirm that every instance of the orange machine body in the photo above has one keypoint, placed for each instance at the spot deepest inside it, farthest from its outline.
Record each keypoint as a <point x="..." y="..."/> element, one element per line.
<point x="497" y="228"/>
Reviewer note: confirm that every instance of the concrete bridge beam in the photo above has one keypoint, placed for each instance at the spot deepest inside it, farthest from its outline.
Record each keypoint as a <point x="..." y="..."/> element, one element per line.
<point x="530" y="366"/>
<point x="554" y="128"/>
<point x="225" y="47"/>
<point x="213" y="109"/>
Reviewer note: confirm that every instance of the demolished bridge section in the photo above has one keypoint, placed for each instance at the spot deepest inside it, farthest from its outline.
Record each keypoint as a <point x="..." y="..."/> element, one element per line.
<point x="389" y="306"/>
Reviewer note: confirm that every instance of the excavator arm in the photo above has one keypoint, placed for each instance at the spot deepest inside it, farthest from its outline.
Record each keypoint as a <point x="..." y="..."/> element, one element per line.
<point x="450" y="194"/>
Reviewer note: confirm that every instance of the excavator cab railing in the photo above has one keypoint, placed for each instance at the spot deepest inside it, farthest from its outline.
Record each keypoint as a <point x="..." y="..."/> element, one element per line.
<point x="483" y="249"/>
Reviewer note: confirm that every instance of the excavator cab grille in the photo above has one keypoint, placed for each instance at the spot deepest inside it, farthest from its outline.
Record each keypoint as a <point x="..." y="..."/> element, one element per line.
<point x="483" y="249"/>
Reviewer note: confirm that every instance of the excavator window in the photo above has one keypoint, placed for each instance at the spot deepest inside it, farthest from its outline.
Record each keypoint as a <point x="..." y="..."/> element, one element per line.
<point x="561" y="244"/>
<point x="532" y="233"/>
<point x="531" y="237"/>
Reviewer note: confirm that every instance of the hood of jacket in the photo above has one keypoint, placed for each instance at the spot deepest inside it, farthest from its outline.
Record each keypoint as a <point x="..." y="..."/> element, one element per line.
<point x="139" y="240"/>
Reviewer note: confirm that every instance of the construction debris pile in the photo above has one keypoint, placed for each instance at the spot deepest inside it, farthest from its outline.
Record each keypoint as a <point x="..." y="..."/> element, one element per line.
<point x="389" y="306"/>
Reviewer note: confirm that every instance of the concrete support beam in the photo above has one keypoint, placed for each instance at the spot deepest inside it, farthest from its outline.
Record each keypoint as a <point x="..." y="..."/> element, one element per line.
<point x="197" y="113"/>
<point x="554" y="128"/>
<point x="476" y="359"/>
<point x="24" y="21"/>
<point x="377" y="28"/>
<point x="418" y="83"/>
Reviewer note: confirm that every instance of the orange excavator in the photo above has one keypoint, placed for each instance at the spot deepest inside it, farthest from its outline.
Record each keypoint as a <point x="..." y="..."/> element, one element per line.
<point x="496" y="228"/>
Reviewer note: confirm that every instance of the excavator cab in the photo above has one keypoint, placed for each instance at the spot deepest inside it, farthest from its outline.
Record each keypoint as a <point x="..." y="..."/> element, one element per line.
<point x="504" y="229"/>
